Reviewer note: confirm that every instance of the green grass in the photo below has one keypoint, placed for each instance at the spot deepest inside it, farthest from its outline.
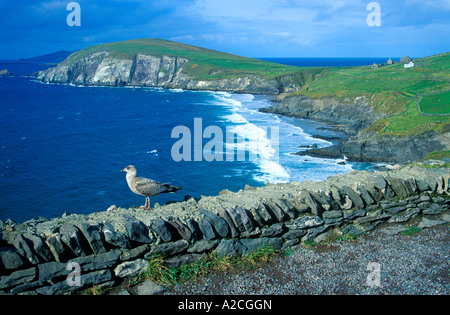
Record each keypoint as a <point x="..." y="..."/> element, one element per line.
<point x="436" y="104"/>
<point x="203" y="63"/>
<point x="394" y="92"/>
<point x="411" y="231"/>
<point x="168" y="276"/>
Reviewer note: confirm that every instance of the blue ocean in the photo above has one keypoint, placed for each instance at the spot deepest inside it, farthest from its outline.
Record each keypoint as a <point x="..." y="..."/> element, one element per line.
<point x="62" y="147"/>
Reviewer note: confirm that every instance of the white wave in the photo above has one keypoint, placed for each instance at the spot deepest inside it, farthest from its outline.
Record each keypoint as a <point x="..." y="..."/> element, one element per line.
<point x="253" y="143"/>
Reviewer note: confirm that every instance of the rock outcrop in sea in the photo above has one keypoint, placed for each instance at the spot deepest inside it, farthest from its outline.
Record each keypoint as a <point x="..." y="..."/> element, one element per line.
<point x="5" y="73"/>
<point x="38" y="256"/>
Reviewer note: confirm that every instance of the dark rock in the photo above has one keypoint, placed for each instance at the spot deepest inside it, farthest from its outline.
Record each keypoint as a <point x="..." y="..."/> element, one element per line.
<point x="72" y="237"/>
<point x="410" y="185"/>
<point x="131" y="268"/>
<point x="236" y="218"/>
<point x="333" y="217"/>
<point x="162" y="228"/>
<point x="51" y="270"/>
<point x="276" y="210"/>
<point x="338" y="197"/>
<point x="300" y="208"/>
<point x="288" y="208"/>
<point x="265" y="213"/>
<point x="389" y="192"/>
<point x="245" y="219"/>
<point x="182" y="229"/>
<point x="393" y="230"/>
<point x="353" y="214"/>
<point x="370" y="218"/>
<point x="89" y="279"/>
<point x="422" y="185"/>
<point x="218" y="223"/>
<point x="93" y="236"/>
<point x="40" y="247"/>
<point x="305" y="222"/>
<point x="256" y="217"/>
<point x="398" y="187"/>
<point x="17" y="277"/>
<point x="139" y="232"/>
<point x="314" y="232"/>
<point x="10" y="259"/>
<point x="306" y="198"/>
<point x="435" y="209"/>
<point x="224" y="215"/>
<point x="273" y="230"/>
<point x="25" y="248"/>
<point x="202" y="246"/>
<point x="354" y="197"/>
<point x="229" y="247"/>
<point x="386" y="204"/>
<point x="99" y="261"/>
<point x="374" y="192"/>
<point x="395" y="210"/>
<point x="365" y="195"/>
<point x="294" y="234"/>
<point x="351" y="229"/>
<point x="327" y="202"/>
<point x="115" y="238"/>
<point x="168" y="249"/>
<point x="130" y="254"/>
<point x="60" y="251"/>
<point x="195" y="229"/>
<point x="405" y="216"/>
<point x="207" y="230"/>
<point x="177" y="261"/>
<point x="253" y="244"/>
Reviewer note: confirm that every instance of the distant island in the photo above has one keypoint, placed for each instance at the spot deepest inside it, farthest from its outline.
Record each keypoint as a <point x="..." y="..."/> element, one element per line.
<point x="390" y="114"/>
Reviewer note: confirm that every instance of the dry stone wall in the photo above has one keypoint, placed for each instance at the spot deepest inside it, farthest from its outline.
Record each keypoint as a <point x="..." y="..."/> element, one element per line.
<point x="43" y="256"/>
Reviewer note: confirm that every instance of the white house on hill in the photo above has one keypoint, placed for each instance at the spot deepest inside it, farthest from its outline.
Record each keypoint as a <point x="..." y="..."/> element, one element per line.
<point x="409" y="64"/>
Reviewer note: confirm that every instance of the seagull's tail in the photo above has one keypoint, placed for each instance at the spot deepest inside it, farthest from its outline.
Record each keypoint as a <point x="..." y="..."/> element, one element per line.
<point x="171" y="189"/>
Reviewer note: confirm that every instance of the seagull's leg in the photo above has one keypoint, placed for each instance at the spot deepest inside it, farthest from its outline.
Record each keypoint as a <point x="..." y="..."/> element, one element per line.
<point x="145" y="206"/>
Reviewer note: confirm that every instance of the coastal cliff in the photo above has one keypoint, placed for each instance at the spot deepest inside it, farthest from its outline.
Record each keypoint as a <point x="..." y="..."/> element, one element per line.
<point x="158" y="63"/>
<point x="355" y="117"/>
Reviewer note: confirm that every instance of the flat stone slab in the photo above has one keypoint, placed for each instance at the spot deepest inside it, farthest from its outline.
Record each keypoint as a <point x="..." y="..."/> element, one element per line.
<point x="394" y="230"/>
<point x="429" y="223"/>
<point x="149" y="287"/>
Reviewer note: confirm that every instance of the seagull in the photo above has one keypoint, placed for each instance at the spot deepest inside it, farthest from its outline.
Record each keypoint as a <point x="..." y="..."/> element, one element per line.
<point x="145" y="186"/>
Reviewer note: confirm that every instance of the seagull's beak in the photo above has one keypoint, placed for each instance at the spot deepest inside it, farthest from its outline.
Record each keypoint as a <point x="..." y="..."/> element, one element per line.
<point x="122" y="171"/>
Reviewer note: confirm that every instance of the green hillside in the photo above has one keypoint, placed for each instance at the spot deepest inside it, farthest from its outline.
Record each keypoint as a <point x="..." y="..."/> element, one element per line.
<point x="205" y="64"/>
<point x="415" y="99"/>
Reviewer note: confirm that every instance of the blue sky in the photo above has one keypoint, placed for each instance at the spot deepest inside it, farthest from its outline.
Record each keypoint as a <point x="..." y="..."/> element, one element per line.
<point x="252" y="28"/>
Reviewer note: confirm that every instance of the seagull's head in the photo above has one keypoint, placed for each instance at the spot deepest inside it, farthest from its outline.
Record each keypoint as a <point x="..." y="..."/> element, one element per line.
<point x="130" y="169"/>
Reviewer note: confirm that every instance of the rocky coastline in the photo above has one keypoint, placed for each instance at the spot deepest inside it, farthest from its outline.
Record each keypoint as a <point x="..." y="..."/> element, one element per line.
<point x="146" y="70"/>
<point x="113" y="245"/>
<point x="353" y="117"/>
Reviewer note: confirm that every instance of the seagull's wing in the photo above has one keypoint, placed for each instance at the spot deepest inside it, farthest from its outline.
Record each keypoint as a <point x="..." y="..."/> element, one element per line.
<point x="149" y="187"/>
